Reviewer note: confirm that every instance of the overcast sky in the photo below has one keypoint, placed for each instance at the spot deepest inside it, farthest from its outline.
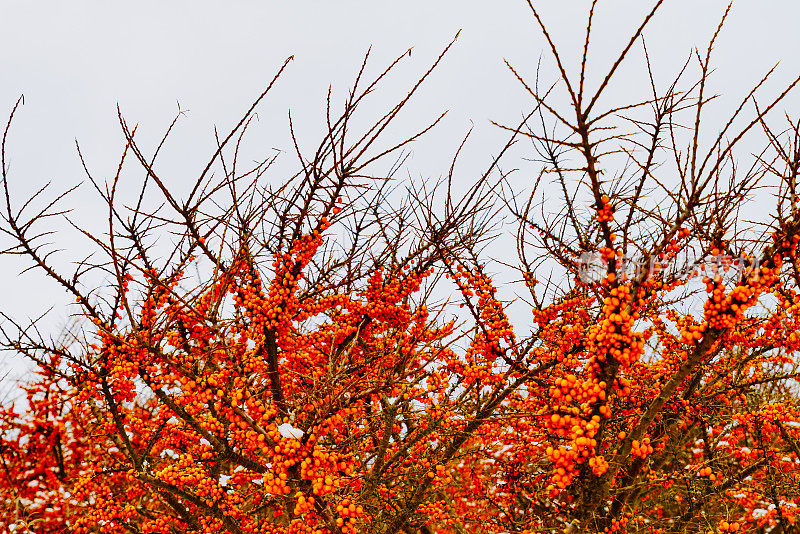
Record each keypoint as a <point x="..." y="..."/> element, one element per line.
<point x="75" y="61"/>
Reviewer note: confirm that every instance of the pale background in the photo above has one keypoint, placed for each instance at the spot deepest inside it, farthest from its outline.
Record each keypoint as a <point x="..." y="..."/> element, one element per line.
<point x="74" y="61"/>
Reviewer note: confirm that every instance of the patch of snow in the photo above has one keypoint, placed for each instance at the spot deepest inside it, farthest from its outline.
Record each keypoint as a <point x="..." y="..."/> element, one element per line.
<point x="288" y="431"/>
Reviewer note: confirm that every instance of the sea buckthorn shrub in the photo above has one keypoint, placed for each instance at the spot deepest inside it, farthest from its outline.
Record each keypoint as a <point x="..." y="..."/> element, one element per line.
<point x="324" y="354"/>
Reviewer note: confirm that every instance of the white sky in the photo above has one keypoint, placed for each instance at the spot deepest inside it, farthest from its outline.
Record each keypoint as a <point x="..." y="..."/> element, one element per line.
<point x="74" y="61"/>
